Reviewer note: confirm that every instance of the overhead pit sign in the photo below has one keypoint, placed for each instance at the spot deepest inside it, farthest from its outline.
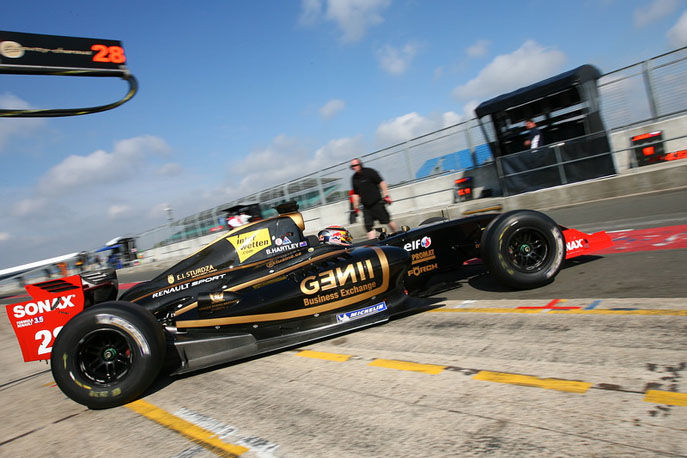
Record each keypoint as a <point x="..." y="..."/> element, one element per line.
<point x="40" y="51"/>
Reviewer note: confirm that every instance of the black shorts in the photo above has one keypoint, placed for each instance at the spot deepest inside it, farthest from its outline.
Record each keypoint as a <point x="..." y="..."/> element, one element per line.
<point x="375" y="212"/>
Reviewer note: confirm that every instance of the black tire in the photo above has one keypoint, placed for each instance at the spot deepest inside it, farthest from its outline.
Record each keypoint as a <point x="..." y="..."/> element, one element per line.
<point x="523" y="249"/>
<point x="108" y="355"/>
<point x="432" y="220"/>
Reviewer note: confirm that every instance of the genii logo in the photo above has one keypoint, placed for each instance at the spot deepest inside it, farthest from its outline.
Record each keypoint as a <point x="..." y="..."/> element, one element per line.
<point x="352" y="273"/>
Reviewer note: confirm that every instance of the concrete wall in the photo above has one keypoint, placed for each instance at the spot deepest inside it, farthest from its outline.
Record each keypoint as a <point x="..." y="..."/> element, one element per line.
<point x="621" y="141"/>
<point x="657" y="177"/>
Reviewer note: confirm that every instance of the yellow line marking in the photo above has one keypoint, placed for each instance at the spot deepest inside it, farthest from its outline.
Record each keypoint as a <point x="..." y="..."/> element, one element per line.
<point x="565" y="312"/>
<point x="570" y="386"/>
<point x="666" y="397"/>
<point x="485" y="310"/>
<point x="196" y="434"/>
<point x="324" y="355"/>
<point x="407" y="366"/>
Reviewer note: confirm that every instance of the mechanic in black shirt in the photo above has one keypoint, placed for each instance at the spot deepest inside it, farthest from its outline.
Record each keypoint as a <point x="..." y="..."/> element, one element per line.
<point x="534" y="139"/>
<point x="367" y="184"/>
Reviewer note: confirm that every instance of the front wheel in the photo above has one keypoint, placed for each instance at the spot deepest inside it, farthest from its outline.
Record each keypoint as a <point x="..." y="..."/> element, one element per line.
<point x="108" y="355"/>
<point x="523" y="249"/>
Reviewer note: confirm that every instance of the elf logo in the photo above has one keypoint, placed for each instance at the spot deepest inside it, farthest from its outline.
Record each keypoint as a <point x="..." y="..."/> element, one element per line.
<point x="424" y="242"/>
<point x="39" y="307"/>
<point x="574" y="244"/>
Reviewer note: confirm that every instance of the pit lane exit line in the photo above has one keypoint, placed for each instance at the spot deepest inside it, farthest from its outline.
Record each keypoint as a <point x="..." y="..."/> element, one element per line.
<point x="196" y="434"/>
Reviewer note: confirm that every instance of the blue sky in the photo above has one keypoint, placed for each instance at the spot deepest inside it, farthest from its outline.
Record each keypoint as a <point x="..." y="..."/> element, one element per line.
<point x="235" y="96"/>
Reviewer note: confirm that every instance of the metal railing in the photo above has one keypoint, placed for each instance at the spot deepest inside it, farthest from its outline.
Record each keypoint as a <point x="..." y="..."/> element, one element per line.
<point x="638" y="94"/>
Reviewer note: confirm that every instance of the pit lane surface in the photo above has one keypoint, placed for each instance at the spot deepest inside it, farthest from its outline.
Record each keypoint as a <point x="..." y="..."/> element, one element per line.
<point x="593" y="364"/>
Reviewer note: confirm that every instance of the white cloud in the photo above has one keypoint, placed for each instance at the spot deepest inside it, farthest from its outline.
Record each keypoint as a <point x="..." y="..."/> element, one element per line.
<point x="478" y="49"/>
<point x="656" y="10"/>
<point x="100" y="166"/>
<point x="4" y="236"/>
<point x="413" y="125"/>
<point x="438" y="72"/>
<point x="46" y="221"/>
<point x="287" y="158"/>
<point x="677" y="34"/>
<point x="353" y="17"/>
<point x="337" y="151"/>
<point x="526" y="65"/>
<point x="311" y="10"/>
<point x="118" y="211"/>
<point x="469" y="108"/>
<point x="170" y="169"/>
<point x="16" y="127"/>
<point x="29" y="206"/>
<point x="332" y="108"/>
<point x="396" y="61"/>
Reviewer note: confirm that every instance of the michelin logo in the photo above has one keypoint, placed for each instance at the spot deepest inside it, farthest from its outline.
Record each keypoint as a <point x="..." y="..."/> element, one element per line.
<point x="356" y="314"/>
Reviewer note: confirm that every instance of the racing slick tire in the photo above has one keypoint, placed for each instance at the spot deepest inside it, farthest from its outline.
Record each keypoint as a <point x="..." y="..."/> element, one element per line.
<point x="523" y="249"/>
<point x="108" y="355"/>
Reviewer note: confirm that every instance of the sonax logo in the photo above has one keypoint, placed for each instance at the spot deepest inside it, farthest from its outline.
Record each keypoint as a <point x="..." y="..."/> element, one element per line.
<point x="574" y="244"/>
<point x="40" y="307"/>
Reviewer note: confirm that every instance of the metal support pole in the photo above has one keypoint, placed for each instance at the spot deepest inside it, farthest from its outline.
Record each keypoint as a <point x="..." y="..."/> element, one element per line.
<point x="559" y="161"/>
<point x="502" y="179"/>
<point x="320" y="189"/>
<point x="406" y="155"/>
<point x="471" y="145"/>
<point x="649" y="89"/>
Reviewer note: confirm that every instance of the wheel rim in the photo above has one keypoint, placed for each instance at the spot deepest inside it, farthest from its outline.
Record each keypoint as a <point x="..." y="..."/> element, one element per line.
<point x="527" y="249"/>
<point x="104" y="356"/>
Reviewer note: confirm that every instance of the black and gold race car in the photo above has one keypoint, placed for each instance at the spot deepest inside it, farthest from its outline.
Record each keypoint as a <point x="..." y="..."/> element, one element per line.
<point x="266" y="286"/>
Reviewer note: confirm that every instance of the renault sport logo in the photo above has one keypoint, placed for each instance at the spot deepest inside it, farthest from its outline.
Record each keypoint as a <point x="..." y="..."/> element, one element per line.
<point x="356" y="314"/>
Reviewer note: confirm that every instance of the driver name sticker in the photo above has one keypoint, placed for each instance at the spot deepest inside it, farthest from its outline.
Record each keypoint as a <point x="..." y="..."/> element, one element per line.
<point x="250" y="243"/>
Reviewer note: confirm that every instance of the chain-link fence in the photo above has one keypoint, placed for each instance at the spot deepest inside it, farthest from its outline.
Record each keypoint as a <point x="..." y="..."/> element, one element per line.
<point x="641" y="93"/>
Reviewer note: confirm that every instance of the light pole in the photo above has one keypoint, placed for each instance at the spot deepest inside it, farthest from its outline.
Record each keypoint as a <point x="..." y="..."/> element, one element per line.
<point x="170" y="218"/>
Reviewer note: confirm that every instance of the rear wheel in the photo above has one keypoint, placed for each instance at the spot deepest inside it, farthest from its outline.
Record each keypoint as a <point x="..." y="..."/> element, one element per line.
<point x="523" y="249"/>
<point x="108" y="355"/>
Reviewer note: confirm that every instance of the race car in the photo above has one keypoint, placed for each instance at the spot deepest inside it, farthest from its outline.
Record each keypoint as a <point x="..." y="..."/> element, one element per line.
<point x="266" y="286"/>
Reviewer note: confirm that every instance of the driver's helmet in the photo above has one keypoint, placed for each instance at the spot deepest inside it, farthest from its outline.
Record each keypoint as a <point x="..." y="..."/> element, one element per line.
<point x="335" y="235"/>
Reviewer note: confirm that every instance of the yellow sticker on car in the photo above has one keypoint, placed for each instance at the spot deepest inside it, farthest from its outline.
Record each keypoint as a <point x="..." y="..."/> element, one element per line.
<point x="250" y="243"/>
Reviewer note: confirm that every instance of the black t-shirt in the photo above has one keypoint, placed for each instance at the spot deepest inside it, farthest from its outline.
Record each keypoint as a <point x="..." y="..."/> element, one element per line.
<point x="366" y="185"/>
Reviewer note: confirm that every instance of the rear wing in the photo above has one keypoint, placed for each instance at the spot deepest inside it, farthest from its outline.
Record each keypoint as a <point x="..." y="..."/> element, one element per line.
<point x="37" y="322"/>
